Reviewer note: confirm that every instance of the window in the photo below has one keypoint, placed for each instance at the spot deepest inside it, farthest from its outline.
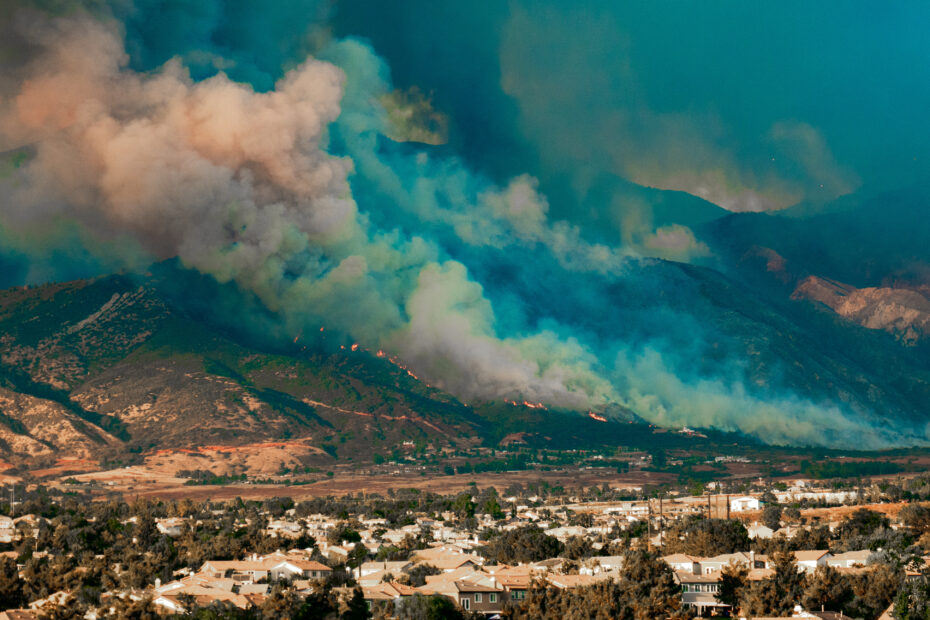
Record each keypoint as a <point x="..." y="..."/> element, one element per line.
<point x="518" y="595"/>
<point x="466" y="602"/>
<point x="492" y="597"/>
<point x="478" y="597"/>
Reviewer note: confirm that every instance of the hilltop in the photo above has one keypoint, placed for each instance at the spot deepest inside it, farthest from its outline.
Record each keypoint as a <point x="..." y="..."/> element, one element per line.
<point x="119" y="367"/>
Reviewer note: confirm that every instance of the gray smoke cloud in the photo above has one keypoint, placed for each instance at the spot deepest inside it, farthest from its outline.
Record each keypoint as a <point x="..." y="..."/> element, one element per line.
<point x="239" y="185"/>
<point x="244" y="186"/>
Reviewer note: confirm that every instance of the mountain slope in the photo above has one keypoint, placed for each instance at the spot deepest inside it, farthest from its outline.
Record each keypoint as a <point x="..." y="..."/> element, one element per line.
<point x="110" y="364"/>
<point x="116" y="365"/>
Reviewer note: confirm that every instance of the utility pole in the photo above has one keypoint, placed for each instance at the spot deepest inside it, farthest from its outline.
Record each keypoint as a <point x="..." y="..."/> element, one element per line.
<point x="728" y="507"/>
<point x="661" y="515"/>
<point x="12" y="491"/>
<point x="648" y="524"/>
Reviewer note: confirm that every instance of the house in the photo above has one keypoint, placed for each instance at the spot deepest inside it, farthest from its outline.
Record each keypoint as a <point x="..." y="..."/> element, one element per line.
<point x="172" y="527"/>
<point x="567" y="582"/>
<point x="742" y="504"/>
<point x="473" y="591"/>
<point x="850" y="559"/>
<point x="386" y="592"/>
<point x="480" y="597"/>
<point x="758" y="530"/>
<point x="248" y="571"/>
<point x="810" y="560"/>
<point x="285" y="529"/>
<point x="699" y="591"/>
<point x="552" y="565"/>
<point x="515" y="580"/>
<point x="203" y="596"/>
<point x="718" y="563"/>
<point x="394" y="568"/>
<point x="19" y="614"/>
<point x="8" y="532"/>
<point x="299" y="569"/>
<point x="680" y="561"/>
<point x="602" y="564"/>
<point x="373" y="579"/>
<point x="448" y="559"/>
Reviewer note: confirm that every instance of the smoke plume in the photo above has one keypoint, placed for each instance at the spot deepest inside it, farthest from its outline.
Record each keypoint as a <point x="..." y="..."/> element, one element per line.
<point x="313" y="189"/>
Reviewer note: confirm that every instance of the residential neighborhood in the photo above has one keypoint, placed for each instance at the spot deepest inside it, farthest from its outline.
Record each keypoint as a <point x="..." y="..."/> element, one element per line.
<point x="483" y="553"/>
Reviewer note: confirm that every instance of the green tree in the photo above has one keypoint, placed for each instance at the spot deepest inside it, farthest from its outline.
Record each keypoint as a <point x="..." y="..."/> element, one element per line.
<point x="771" y="516"/>
<point x="463" y="506"/>
<point x="577" y="548"/>
<point x="862" y="523"/>
<point x="357" y="556"/>
<point x="778" y="595"/>
<point x="417" y="575"/>
<point x="916" y="517"/>
<point x="522" y="544"/>
<point x="419" y="607"/>
<point x="827" y="589"/>
<point x="733" y="580"/>
<point x="648" y="585"/>
<point x="707" y="537"/>
<point x="11" y="586"/>
<point x="356" y="607"/>
<point x="492" y="508"/>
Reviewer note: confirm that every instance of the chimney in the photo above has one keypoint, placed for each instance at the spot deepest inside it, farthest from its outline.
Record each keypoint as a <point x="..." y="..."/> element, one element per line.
<point x="157" y="582"/>
<point x="752" y="560"/>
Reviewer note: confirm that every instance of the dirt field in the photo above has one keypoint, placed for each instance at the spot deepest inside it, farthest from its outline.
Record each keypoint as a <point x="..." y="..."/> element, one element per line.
<point x="829" y="514"/>
<point x="261" y="459"/>
<point x="140" y="481"/>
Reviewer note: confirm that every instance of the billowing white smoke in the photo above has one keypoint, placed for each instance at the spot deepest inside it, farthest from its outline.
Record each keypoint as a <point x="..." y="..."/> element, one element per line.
<point x="239" y="185"/>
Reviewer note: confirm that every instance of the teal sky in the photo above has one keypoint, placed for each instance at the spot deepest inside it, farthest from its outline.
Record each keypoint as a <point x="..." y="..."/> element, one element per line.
<point x="767" y="99"/>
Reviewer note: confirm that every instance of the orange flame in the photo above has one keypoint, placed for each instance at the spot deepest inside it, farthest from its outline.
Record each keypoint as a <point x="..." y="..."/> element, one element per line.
<point x="525" y="403"/>
<point x="355" y="347"/>
<point x="594" y="416"/>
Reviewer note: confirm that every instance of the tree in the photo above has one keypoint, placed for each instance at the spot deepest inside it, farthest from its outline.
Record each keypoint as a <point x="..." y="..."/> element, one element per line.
<point x="778" y="595"/>
<point x="357" y="556"/>
<point x="827" y="589"/>
<point x="771" y="516"/>
<point x="733" y="579"/>
<point x="916" y="517"/>
<point x="874" y="591"/>
<point x="649" y="586"/>
<point x="658" y="458"/>
<point x="492" y="508"/>
<point x="463" y="506"/>
<point x="356" y="607"/>
<point x="343" y="531"/>
<point x="707" y="537"/>
<point x="126" y="607"/>
<point x="523" y="544"/>
<point x="419" y="607"/>
<point x="417" y="575"/>
<point x="862" y="523"/>
<point x="11" y="586"/>
<point x="577" y="548"/>
<point x="788" y="580"/>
